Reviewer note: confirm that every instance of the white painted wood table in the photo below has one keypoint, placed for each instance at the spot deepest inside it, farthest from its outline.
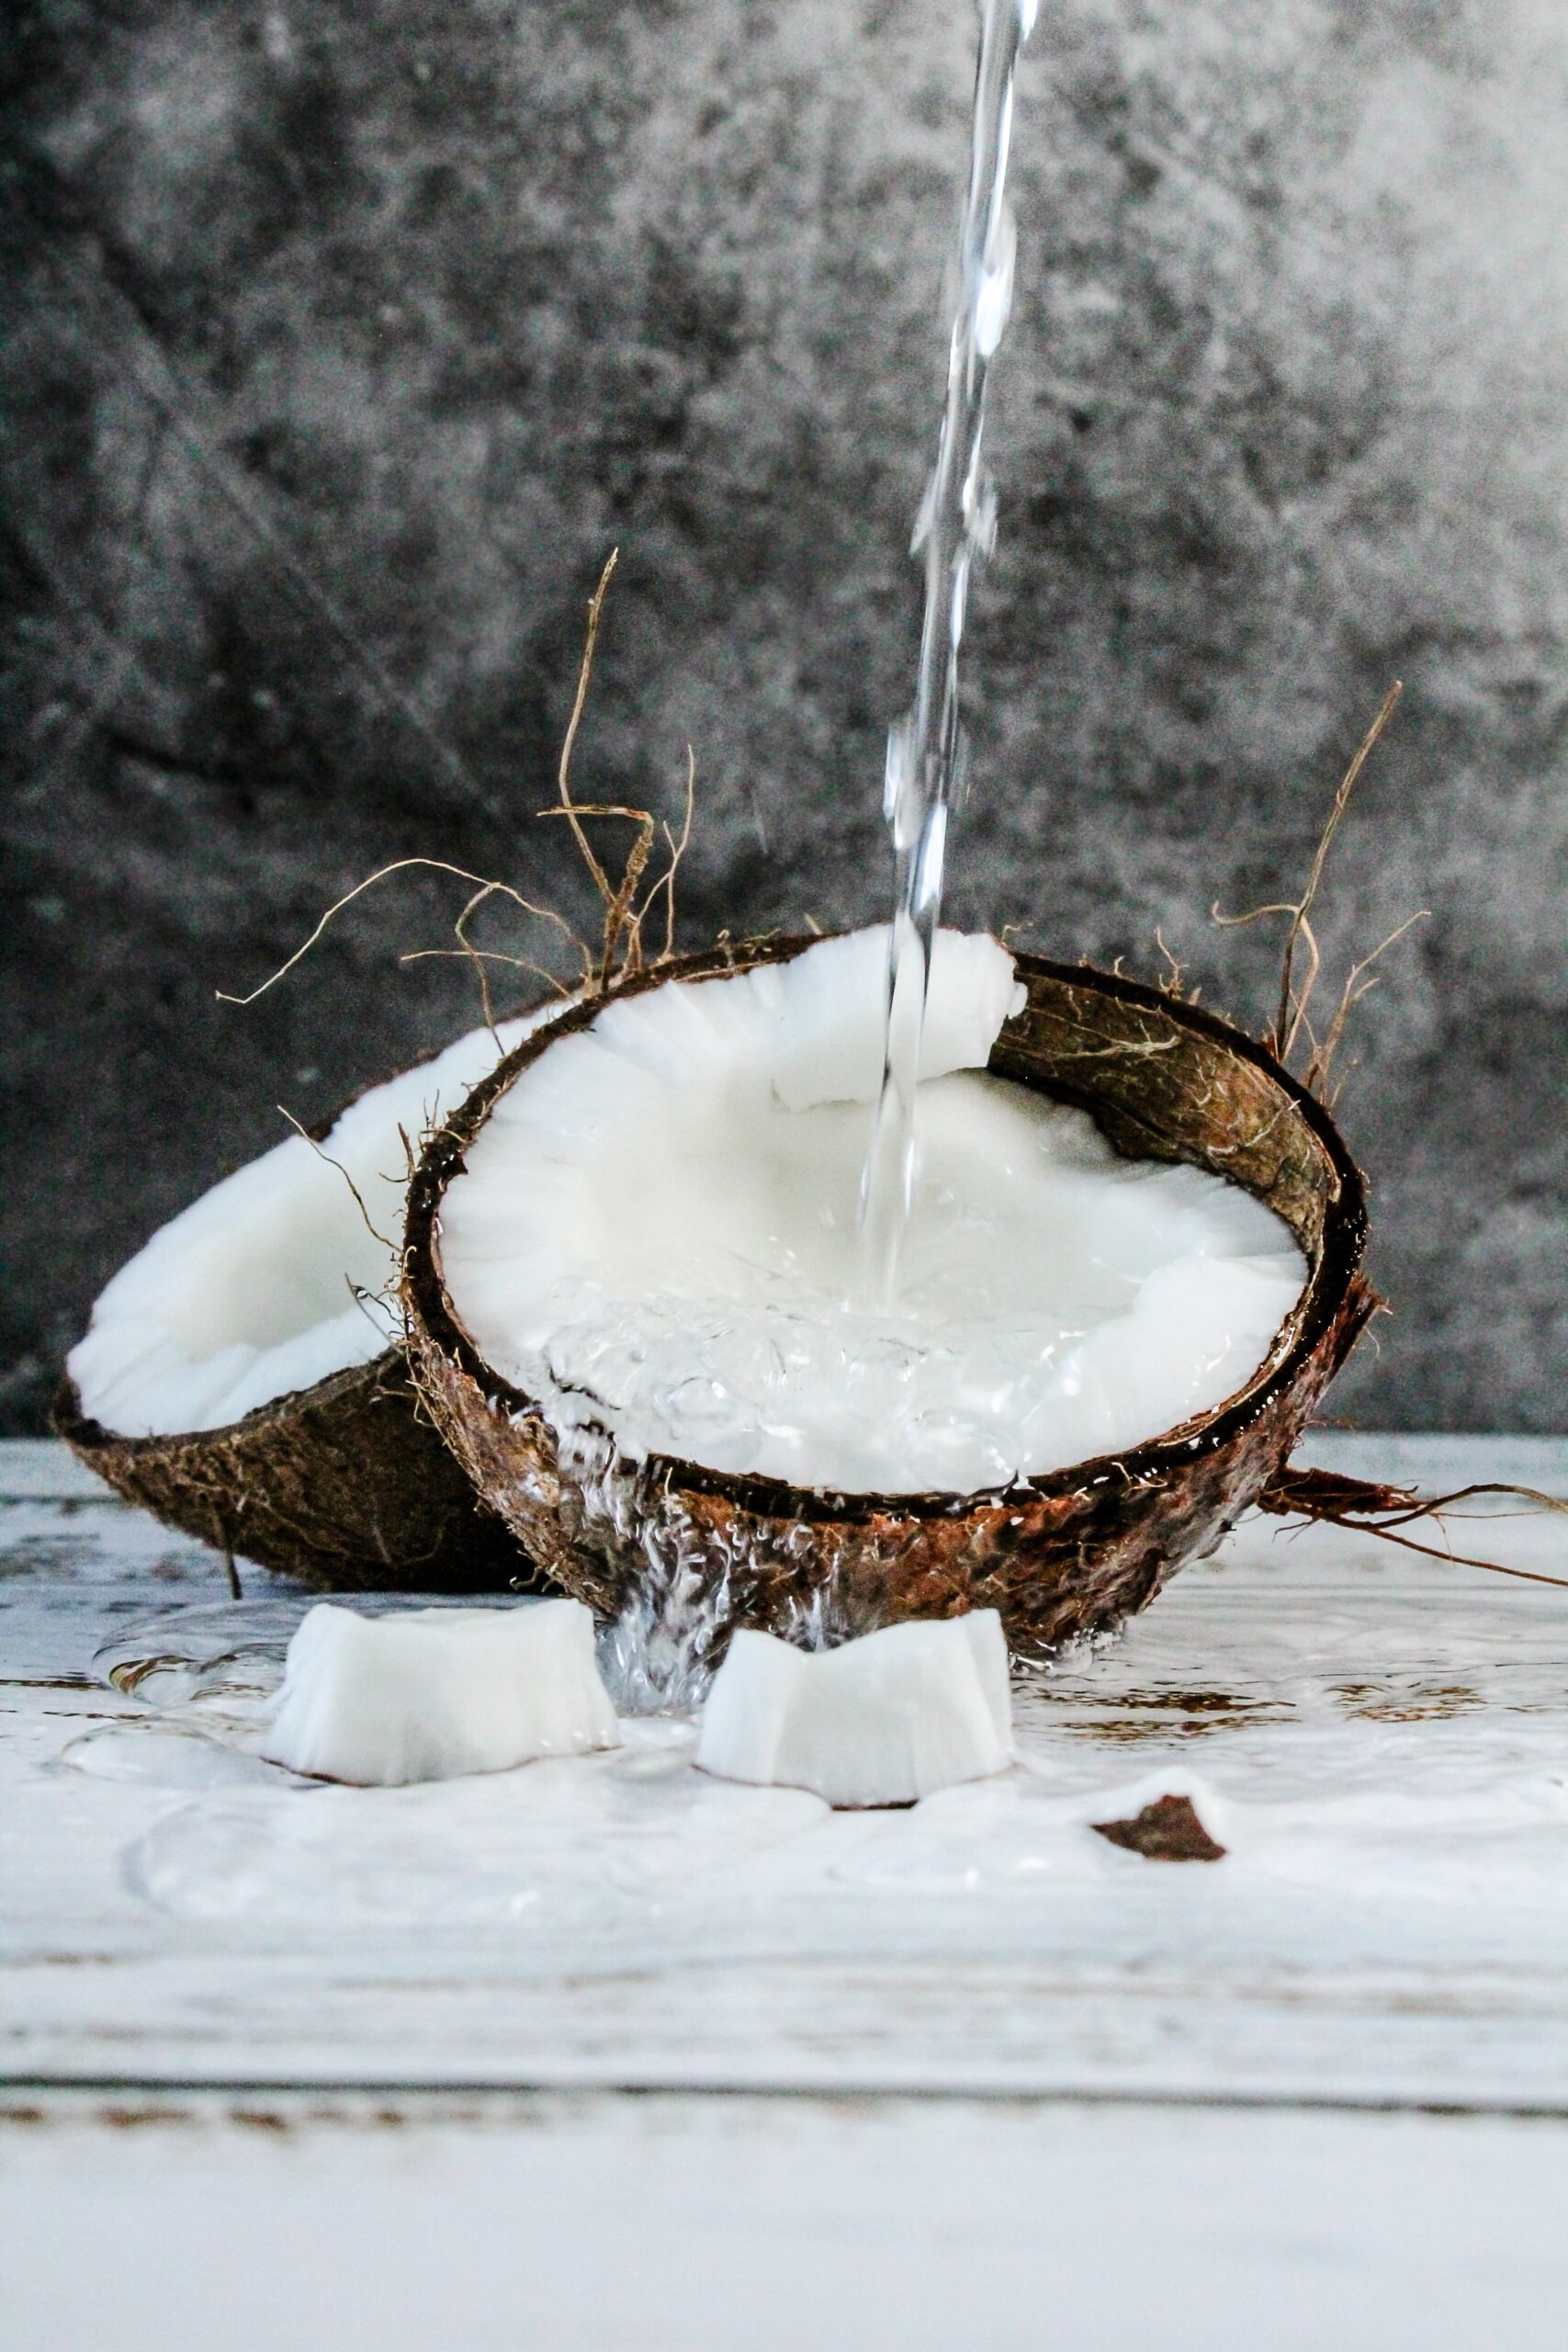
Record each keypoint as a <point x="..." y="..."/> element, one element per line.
<point x="600" y="2055"/>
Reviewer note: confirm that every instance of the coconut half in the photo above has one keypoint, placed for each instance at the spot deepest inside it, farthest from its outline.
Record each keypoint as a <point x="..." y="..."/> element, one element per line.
<point x="244" y="1375"/>
<point x="1056" y="1549"/>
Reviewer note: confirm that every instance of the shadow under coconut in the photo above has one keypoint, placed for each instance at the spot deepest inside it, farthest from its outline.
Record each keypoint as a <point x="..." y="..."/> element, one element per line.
<point x="1071" y="1552"/>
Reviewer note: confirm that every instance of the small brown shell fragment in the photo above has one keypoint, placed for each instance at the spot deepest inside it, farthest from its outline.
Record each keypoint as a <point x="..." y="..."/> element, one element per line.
<point x="1166" y="1831"/>
<point x="1068" y="1553"/>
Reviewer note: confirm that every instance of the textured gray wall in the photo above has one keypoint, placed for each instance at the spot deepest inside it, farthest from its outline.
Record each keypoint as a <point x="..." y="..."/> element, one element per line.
<point x="344" y="337"/>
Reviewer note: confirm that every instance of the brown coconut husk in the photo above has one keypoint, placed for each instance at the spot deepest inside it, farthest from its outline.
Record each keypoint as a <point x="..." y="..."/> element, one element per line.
<point x="1070" y="1552"/>
<point x="345" y="1484"/>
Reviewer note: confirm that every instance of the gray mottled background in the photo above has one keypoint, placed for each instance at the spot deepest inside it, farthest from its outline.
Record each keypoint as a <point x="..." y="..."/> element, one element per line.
<point x="343" y="338"/>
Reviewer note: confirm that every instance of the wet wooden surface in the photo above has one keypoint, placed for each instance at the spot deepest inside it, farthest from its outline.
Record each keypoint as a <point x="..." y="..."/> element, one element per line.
<point x="260" y="2085"/>
<point x="581" y="2222"/>
<point x="1414" y="1956"/>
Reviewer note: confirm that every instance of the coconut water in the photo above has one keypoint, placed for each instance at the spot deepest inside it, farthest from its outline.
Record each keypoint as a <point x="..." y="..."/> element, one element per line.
<point x="927" y="755"/>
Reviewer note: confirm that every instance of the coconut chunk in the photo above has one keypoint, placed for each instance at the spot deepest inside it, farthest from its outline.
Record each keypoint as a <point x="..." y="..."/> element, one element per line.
<point x="428" y="1694"/>
<point x="883" y="1720"/>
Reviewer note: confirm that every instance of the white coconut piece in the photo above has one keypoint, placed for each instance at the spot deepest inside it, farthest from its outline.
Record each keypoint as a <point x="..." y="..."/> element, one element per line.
<point x="428" y="1694"/>
<point x="658" y="1234"/>
<point x="883" y="1720"/>
<point x="272" y="1280"/>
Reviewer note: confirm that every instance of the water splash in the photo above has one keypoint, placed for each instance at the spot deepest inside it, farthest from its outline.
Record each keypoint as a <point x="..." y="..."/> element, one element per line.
<point x="927" y="752"/>
<point x="658" y="1657"/>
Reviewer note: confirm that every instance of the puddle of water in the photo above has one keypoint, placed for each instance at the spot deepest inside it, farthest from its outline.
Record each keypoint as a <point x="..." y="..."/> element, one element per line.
<point x="565" y="1842"/>
<point x="159" y="1756"/>
<point x="227" y="1656"/>
<point x="1350" y="1799"/>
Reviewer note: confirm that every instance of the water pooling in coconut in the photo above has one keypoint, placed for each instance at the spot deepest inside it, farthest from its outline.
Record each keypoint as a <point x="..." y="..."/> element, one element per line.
<point x="680" y="1551"/>
<point x="657" y="1238"/>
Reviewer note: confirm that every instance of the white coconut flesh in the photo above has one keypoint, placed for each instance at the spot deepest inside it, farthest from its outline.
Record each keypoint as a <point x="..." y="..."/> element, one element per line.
<point x="657" y="1238"/>
<point x="884" y="1720"/>
<point x="428" y="1694"/>
<point x="272" y="1280"/>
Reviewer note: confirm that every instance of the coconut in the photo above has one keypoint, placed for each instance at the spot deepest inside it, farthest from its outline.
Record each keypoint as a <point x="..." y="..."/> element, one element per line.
<point x="1057" y="1551"/>
<point x="431" y="1694"/>
<point x="884" y="1720"/>
<point x="244" y="1375"/>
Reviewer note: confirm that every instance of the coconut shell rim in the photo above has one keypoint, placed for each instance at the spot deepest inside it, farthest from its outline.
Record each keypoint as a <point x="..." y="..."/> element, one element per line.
<point x="85" y="1433"/>
<point x="1331" y="1282"/>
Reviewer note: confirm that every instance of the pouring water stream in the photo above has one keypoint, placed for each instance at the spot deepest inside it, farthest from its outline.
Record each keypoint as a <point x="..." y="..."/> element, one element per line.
<point x="927" y="753"/>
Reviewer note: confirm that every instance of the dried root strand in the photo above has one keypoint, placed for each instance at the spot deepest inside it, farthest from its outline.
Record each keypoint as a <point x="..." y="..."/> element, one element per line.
<point x="1315" y="1077"/>
<point x="621" y="952"/>
<point x="1293" y="1006"/>
<point x="322" y="1154"/>
<point x="1383" y="1510"/>
<point x="485" y="888"/>
<point x="1174" y="982"/>
<point x="1300" y="965"/>
<point x="568" y="807"/>
<point x="477" y="957"/>
<point x="665" y="885"/>
<point x="618" y="911"/>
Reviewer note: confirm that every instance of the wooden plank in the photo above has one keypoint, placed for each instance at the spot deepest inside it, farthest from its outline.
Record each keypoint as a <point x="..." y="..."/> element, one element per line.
<point x="42" y="1469"/>
<point x="1486" y="2044"/>
<point x="573" y="2224"/>
<point x="1391" y="1926"/>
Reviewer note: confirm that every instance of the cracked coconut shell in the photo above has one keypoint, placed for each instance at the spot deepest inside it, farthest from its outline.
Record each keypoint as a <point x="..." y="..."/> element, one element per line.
<point x="345" y="1484"/>
<point x="1071" y="1552"/>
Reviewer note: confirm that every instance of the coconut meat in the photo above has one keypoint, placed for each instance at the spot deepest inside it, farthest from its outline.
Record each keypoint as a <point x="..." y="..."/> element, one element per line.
<point x="274" y="1279"/>
<point x="883" y="1720"/>
<point x="428" y="1694"/>
<point x="656" y="1237"/>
